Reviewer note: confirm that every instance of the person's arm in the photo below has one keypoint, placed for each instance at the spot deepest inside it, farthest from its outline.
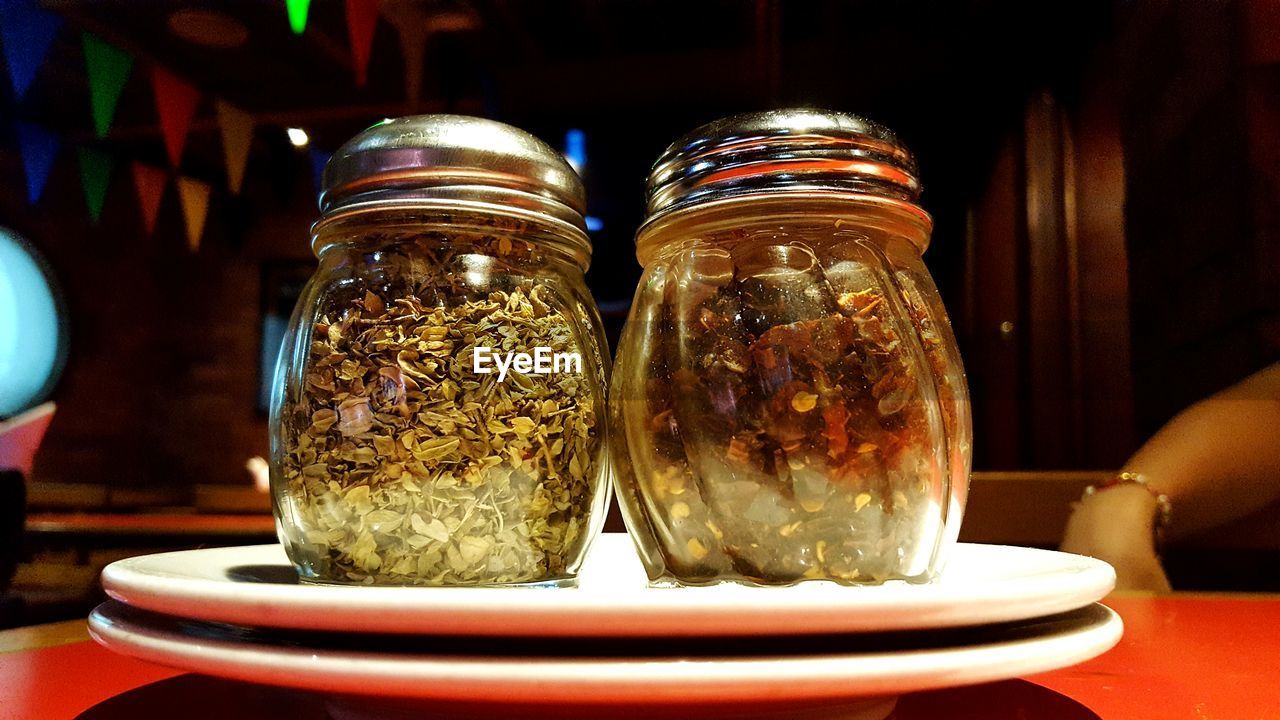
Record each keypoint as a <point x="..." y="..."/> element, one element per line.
<point x="1218" y="460"/>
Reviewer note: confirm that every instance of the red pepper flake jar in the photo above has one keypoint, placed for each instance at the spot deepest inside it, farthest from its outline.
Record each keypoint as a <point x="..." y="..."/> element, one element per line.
<point x="788" y="402"/>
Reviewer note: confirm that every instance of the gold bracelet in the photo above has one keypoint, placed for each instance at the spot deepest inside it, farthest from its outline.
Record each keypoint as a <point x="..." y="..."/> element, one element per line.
<point x="1164" y="506"/>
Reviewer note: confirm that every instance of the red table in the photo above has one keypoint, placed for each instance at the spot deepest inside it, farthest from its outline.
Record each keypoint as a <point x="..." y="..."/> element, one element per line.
<point x="1200" y="657"/>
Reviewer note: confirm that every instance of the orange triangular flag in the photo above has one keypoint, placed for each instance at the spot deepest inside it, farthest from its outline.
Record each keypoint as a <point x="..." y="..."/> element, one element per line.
<point x="195" y="206"/>
<point x="362" y="21"/>
<point x="237" y="136"/>
<point x="176" y="105"/>
<point x="149" y="182"/>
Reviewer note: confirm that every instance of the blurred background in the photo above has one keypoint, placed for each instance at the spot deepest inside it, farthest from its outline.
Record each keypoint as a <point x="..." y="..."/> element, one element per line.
<point x="1103" y="176"/>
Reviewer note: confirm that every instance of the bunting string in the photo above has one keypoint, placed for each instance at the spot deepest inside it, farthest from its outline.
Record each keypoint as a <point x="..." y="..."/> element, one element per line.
<point x="28" y="31"/>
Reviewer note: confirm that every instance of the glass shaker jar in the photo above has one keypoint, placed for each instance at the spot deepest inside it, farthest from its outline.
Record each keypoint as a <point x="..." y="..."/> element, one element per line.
<point x="788" y="402"/>
<point x="439" y="413"/>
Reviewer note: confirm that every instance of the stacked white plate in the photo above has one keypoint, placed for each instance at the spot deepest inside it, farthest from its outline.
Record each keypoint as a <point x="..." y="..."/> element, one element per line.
<point x="613" y="646"/>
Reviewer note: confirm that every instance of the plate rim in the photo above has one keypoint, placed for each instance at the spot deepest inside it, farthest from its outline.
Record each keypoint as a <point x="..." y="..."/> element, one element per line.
<point x="701" y="611"/>
<point x="579" y="680"/>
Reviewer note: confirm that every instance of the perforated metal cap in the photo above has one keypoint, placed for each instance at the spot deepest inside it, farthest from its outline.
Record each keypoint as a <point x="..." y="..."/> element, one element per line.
<point x="443" y="158"/>
<point x="779" y="151"/>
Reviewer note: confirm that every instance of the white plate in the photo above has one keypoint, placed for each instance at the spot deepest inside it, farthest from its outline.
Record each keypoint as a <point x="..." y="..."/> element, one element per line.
<point x="858" y="674"/>
<point x="256" y="586"/>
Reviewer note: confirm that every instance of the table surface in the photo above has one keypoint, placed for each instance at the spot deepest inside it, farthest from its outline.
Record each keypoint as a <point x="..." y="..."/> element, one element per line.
<point x="1201" y="657"/>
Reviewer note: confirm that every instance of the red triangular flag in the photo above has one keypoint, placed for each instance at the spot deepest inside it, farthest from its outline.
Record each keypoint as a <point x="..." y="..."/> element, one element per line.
<point x="176" y="105"/>
<point x="413" y="46"/>
<point x="21" y="434"/>
<point x="362" y="21"/>
<point x="149" y="182"/>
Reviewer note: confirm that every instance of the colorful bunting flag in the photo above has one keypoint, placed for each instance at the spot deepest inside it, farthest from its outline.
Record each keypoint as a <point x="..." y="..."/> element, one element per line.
<point x="38" y="147"/>
<point x="95" y="175"/>
<point x="27" y="31"/>
<point x="297" y="14"/>
<point x="149" y="182"/>
<point x="362" y="21"/>
<point x="319" y="159"/>
<point x="108" y="69"/>
<point x="175" y="105"/>
<point x="237" y="136"/>
<point x="195" y="207"/>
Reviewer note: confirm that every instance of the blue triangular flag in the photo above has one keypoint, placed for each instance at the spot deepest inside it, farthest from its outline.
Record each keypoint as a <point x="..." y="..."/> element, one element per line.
<point x="27" y="31"/>
<point x="319" y="159"/>
<point x="38" y="147"/>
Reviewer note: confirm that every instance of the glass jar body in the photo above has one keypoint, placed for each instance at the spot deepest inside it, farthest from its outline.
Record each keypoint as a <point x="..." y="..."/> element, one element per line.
<point x="788" y="402"/>
<point x="404" y="451"/>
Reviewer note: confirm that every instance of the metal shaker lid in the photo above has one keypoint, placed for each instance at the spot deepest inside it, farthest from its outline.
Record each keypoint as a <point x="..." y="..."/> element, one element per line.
<point x="442" y="158"/>
<point x="802" y="150"/>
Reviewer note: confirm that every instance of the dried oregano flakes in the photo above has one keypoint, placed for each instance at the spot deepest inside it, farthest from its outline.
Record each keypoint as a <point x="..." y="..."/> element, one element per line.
<point x="402" y="465"/>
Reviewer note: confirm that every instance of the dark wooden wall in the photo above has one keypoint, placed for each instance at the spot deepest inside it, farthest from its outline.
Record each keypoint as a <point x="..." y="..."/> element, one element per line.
<point x="1046" y="319"/>
<point x="1262" y="105"/>
<point x="1124" y="259"/>
<point x="1199" y="276"/>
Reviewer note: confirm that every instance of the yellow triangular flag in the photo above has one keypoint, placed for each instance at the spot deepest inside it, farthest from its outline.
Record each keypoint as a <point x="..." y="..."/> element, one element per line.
<point x="195" y="206"/>
<point x="237" y="136"/>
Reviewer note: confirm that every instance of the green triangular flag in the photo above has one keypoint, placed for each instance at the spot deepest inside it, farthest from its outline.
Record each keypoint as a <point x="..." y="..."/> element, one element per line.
<point x="297" y="14"/>
<point x="95" y="175"/>
<point x="108" y="68"/>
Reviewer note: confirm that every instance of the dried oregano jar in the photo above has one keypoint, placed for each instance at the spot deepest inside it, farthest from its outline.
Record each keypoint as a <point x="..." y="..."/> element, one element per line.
<point x="788" y="403"/>
<point x="439" y="412"/>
